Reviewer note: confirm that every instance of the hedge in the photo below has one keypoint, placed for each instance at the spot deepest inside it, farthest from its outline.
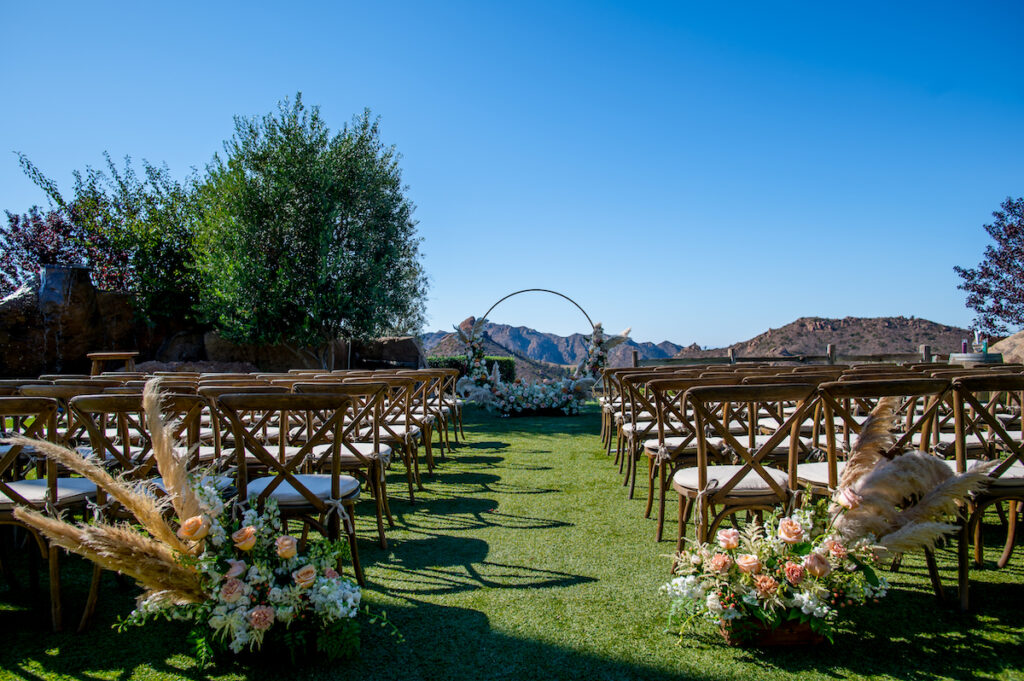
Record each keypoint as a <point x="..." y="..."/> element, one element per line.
<point x="506" y="365"/>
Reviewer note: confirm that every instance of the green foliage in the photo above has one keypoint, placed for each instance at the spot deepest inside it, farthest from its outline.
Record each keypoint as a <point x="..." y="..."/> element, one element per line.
<point x="308" y="236"/>
<point x="138" y="233"/>
<point x="506" y="365"/>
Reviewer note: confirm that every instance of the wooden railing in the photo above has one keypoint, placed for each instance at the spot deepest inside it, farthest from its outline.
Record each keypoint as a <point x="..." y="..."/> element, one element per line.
<point x="831" y="356"/>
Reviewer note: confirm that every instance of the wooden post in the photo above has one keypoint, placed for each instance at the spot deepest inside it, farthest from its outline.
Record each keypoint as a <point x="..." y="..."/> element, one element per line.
<point x="830" y="350"/>
<point x="636" y="358"/>
<point x="926" y="353"/>
<point x="732" y="356"/>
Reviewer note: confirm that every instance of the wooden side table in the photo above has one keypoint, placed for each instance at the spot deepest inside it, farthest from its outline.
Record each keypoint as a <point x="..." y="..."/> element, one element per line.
<point x="98" y="358"/>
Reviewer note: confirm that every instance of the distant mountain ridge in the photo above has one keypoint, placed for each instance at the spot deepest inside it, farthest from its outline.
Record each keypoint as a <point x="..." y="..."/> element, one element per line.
<point x="850" y="335"/>
<point x="805" y="336"/>
<point x="555" y="349"/>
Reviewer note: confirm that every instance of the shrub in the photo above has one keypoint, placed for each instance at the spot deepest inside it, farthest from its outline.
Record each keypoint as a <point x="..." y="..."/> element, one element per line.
<point x="506" y="365"/>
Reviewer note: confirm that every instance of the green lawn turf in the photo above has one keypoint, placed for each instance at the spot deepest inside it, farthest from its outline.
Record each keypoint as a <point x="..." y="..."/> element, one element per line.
<point x="525" y="560"/>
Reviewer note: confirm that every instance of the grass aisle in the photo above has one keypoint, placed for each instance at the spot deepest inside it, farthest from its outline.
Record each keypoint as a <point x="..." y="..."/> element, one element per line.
<point x="525" y="560"/>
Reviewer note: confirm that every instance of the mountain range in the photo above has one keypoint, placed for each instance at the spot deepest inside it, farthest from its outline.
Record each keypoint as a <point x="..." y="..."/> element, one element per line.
<point x="807" y="335"/>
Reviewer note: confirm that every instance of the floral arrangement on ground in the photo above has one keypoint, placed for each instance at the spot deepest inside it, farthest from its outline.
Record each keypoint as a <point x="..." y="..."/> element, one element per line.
<point x="790" y="569"/>
<point x="519" y="399"/>
<point x="229" y="569"/>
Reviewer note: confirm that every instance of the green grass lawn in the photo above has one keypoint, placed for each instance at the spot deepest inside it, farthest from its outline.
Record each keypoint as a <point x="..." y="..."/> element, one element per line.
<point x="525" y="560"/>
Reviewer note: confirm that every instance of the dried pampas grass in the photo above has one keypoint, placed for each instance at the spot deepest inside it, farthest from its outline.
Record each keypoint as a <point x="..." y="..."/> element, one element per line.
<point x="172" y="468"/>
<point x="876" y="439"/>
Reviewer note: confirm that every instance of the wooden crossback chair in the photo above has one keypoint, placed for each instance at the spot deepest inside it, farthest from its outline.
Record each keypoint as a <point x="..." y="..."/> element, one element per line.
<point x="977" y="402"/>
<point x="676" y="443"/>
<point x="751" y="485"/>
<point x="326" y="500"/>
<point x="845" y="405"/>
<point x="362" y="452"/>
<point x="36" y="417"/>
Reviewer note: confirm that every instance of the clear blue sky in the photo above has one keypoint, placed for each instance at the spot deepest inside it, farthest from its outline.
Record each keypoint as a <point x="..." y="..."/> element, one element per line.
<point x="698" y="171"/>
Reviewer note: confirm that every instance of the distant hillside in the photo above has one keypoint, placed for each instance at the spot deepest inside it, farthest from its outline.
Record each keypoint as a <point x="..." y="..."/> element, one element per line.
<point x="555" y="349"/>
<point x="852" y="335"/>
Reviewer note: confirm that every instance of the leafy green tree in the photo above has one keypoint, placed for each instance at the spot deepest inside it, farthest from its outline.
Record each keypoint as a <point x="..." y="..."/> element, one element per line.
<point x="308" y="236"/>
<point x="138" y="233"/>
<point x="995" y="288"/>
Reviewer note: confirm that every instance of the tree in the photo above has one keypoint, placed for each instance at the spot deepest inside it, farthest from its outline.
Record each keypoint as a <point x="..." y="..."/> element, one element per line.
<point x="995" y="288"/>
<point x="34" y="239"/>
<point x="308" y="236"/>
<point x="137" y="234"/>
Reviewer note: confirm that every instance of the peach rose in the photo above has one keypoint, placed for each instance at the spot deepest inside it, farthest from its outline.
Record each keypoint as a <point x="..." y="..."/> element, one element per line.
<point x="232" y="590"/>
<point x="794" y="573"/>
<point x="194" y="529"/>
<point x="245" y="538"/>
<point x="721" y="562"/>
<point x="729" y="539"/>
<point x="790" y="531"/>
<point x="261" y="617"/>
<point x="848" y="499"/>
<point x="331" y="573"/>
<point x="838" y="550"/>
<point x="305" y="576"/>
<point x="766" y="585"/>
<point x="748" y="563"/>
<point x="287" y="546"/>
<point x="817" y="565"/>
<point x="237" y="568"/>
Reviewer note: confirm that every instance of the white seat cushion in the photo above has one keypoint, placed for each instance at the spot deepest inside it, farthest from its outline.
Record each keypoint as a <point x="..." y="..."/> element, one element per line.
<point x="318" y="484"/>
<point x="751" y="484"/>
<point x="671" y="443"/>
<point x="69" y="490"/>
<point x="220" y="482"/>
<point x="816" y="472"/>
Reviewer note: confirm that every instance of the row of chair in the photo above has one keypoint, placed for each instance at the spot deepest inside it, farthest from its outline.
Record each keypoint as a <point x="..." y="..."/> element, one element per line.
<point x="751" y="438"/>
<point x="311" y="441"/>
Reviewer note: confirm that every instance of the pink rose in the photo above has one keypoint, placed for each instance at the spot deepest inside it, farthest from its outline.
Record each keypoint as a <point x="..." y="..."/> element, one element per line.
<point x="287" y="546"/>
<point x="729" y="539"/>
<point x="848" y="499"/>
<point x="261" y="617"/>
<point x="817" y="565"/>
<point x="766" y="585"/>
<point x="720" y="562"/>
<point x="245" y="538"/>
<point x="748" y="563"/>
<point x="838" y="550"/>
<point x="237" y="568"/>
<point x="331" y="573"/>
<point x="790" y="531"/>
<point x="794" y="573"/>
<point x="232" y="590"/>
<point x="195" y="528"/>
<point x="305" y="576"/>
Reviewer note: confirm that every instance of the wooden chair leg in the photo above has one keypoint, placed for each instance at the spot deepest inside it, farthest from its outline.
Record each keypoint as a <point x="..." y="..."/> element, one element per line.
<point x="378" y="499"/>
<point x="1011" y="533"/>
<point x="354" y="548"/>
<point x="94" y="596"/>
<point x="56" y="616"/>
<point x="933" y="574"/>
<point x="650" y="487"/>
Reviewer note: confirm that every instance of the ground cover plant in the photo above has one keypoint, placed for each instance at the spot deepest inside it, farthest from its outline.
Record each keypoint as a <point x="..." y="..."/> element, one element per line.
<point x="525" y="560"/>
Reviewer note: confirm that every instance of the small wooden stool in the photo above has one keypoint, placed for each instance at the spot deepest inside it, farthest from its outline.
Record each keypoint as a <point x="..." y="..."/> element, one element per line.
<point x="98" y="358"/>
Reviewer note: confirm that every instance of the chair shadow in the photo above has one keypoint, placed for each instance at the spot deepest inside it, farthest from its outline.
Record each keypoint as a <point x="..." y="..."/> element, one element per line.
<point x="452" y="514"/>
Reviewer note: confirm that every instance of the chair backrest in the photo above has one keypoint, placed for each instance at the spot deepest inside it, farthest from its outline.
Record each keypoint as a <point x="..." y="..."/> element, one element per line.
<point x="327" y="435"/>
<point x="978" y="403"/>
<point x="671" y="407"/>
<point x="709" y="423"/>
<point x="31" y="417"/>
<point x="117" y="431"/>
<point x="364" y="412"/>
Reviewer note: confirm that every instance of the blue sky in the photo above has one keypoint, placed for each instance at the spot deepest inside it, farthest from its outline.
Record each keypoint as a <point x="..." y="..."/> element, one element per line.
<point x="698" y="171"/>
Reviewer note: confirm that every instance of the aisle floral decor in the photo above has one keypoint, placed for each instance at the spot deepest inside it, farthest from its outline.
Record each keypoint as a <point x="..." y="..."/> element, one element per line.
<point x="598" y="346"/>
<point x="240" y="579"/>
<point x="789" y="571"/>
<point x="472" y="338"/>
<point x="520" y="399"/>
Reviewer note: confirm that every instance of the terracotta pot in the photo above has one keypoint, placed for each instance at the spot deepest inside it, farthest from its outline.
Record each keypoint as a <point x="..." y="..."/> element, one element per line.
<point x="757" y="635"/>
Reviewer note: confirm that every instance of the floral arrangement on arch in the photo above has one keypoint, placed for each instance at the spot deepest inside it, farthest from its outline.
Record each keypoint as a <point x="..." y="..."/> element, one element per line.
<point x="598" y="346"/>
<point x="794" y="568"/>
<point x="240" y="579"/>
<point x="472" y="338"/>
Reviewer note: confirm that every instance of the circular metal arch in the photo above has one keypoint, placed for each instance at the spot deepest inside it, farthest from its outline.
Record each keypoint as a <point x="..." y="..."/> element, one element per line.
<point x="541" y="290"/>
